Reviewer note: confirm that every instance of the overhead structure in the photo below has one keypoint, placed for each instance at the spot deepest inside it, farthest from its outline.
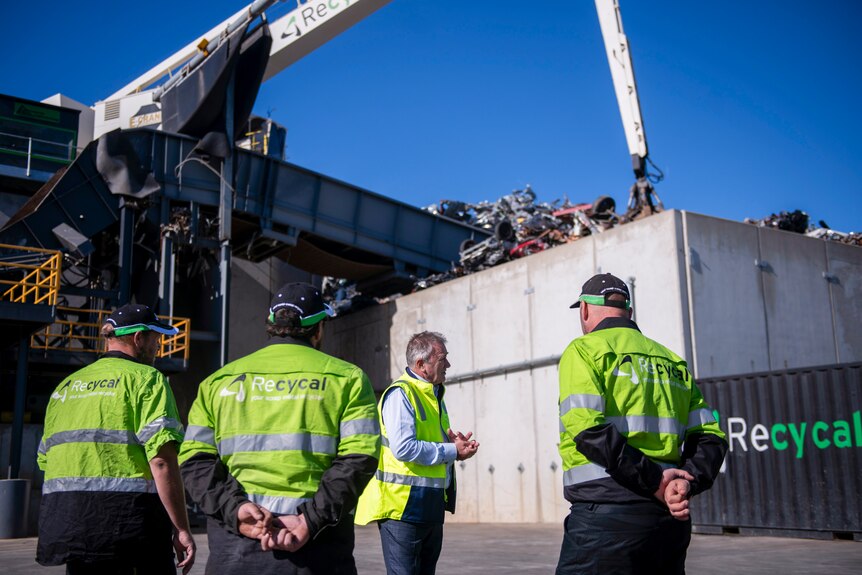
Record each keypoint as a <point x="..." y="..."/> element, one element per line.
<point x="643" y="199"/>
<point x="293" y="36"/>
<point x="327" y="226"/>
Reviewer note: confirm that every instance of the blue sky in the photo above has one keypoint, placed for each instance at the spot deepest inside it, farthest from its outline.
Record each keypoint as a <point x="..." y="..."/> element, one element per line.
<point x="749" y="107"/>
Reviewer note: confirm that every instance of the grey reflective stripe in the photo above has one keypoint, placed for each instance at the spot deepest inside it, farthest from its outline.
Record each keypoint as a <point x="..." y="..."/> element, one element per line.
<point x="384" y="441"/>
<point x="200" y="434"/>
<point x="583" y="473"/>
<point x="155" y="426"/>
<point x="646" y="423"/>
<point x="414" y="480"/>
<point x="700" y="417"/>
<point x="277" y="504"/>
<point x="279" y="442"/>
<point x="562" y="426"/>
<point x="42" y="449"/>
<point x="124" y="437"/>
<point x="115" y="484"/>
<point x="415" y="398"/>
<point x="587" y="401"/>
<point x="591" y="471"/>
<point x="359" y="427"/>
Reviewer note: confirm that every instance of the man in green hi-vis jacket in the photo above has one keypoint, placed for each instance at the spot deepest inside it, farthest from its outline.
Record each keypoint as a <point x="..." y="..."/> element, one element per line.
<point x="280" y="444"/>
<point x="637" y="441"/>
<point x="113" y="497"/>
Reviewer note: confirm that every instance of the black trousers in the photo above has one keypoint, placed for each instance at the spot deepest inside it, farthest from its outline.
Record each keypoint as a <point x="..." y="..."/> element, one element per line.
<point x="330" y="553"/>
<point x="153" y="566"/>
<point x="625" y="539"/>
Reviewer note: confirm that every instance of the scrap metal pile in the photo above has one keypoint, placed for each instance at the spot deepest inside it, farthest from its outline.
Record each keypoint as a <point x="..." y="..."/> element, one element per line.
<point x="797" y="221"/>
<point x="521" y="226"/>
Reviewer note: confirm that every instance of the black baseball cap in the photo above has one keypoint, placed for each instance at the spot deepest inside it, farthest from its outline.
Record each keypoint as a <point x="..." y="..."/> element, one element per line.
<point x="597" y="289"/>
<point x="304" y="299"/>
<point x="134" y="317"/>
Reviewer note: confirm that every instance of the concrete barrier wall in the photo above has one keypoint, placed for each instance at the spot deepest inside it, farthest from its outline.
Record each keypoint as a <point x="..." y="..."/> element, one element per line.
<point x="729" y="297"/>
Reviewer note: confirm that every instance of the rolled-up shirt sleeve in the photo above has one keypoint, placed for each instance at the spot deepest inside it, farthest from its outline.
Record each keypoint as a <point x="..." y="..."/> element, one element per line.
<point x="400" y="421"/>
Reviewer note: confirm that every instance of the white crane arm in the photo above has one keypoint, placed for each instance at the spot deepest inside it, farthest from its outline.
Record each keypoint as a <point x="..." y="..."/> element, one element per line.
<point x="622" y="72"/>
<point x="311" y="25"/>
<point x="165" y="67"/>
<point x="295" y="35"/>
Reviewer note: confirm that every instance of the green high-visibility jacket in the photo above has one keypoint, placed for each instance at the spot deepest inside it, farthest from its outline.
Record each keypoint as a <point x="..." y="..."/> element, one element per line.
<point x="628" y="407"/>
<point x="277" y="419"/>
<point x="103" y="425"/>
<point x="406" y="490"/>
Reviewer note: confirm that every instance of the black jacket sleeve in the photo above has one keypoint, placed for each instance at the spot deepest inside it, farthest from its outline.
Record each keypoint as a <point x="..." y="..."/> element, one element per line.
<point x="338" y="491"/>
<point x="605" y="446"/>
<point x="702" y="455"/>
<point x="214" y="489"/>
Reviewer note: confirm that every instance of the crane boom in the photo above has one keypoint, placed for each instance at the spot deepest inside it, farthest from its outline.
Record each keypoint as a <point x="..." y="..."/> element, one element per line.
<point x="622" y="72"/>
<point x="171" y="63"/>
<point x="311" y="25"/>
<point x="643" y="199"/>
<point x="295" y="35"/>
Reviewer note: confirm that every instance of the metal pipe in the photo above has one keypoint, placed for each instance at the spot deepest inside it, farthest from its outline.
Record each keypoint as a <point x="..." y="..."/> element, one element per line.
<point x="29" y="154"/>
<point x="20" y="404"/>
<point x="127" y="233"/>
<point x="225" y="233"/>
<point x="502" y="369"/>
<point x="254" y="10"/>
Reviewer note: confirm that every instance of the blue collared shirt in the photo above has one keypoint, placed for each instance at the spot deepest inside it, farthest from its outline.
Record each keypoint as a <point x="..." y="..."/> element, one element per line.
<point x="399" y="417"/>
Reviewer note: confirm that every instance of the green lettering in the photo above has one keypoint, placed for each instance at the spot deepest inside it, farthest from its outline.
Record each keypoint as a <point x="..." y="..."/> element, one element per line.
<point x="841" y="437"/>
<point x="780" y="444"/>
<point x="857" y="427"/>
<point x="798" y="436"/>
<point x="818" y="441"/>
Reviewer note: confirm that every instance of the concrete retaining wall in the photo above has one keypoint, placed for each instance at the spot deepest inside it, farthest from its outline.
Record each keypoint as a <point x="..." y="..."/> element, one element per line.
<point x="729" y="297"/>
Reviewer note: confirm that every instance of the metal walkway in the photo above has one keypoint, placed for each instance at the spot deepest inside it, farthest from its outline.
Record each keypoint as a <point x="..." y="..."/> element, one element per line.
<point x="321" y="224"/>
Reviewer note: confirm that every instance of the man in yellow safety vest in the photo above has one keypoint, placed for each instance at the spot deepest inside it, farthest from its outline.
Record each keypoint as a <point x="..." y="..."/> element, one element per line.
<point x="415" y="480"/>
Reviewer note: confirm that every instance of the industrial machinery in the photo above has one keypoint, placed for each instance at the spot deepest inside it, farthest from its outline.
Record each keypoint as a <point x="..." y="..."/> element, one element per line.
<point x="188" y="90"/>
<point x="164" y="195"/>
<point x="643" y="199"/>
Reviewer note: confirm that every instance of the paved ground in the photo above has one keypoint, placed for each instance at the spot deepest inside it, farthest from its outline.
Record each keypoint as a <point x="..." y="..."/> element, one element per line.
<point x="532" y="550"/>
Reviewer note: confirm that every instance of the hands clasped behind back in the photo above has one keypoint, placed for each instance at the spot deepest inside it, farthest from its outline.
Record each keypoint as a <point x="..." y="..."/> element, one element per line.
<point x="285" y="533"/>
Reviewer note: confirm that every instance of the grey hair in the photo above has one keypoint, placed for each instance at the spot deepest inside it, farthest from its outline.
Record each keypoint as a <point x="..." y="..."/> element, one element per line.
<point x="421" y="346"/>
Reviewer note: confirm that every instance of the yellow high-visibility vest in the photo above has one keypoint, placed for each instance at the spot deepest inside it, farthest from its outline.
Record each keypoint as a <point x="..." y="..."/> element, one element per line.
<point x="405" y="490"/>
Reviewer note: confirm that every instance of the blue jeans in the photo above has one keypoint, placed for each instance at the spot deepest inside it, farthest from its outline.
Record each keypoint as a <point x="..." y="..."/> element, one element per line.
<point x="410" y="548"/>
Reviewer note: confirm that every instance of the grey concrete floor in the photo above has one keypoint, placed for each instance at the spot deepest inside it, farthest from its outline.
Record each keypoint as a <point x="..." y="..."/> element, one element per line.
<point x="532" y="550"/>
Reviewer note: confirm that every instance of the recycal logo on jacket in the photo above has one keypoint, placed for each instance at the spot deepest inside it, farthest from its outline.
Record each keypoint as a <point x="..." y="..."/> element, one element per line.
<point x="235" y="389"/>
<point x="78" y="389"/>
<point x="268" y="388"/>
<point x="646" y="369"/>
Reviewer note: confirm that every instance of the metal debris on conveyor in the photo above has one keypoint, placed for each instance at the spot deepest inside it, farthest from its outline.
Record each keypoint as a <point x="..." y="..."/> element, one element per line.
<point x="521" y="226"/>
<point x="797" y="221"/>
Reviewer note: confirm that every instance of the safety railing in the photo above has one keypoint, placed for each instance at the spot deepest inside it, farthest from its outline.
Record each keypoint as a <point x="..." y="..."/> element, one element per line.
<point x="35" y="149"/>
<point x="79" y="330"/>
<point x="29" y="275"/>
<point x="257" y="141"/>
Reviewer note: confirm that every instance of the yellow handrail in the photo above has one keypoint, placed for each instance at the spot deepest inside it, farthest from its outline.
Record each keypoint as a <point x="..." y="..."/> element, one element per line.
<point x="82" y="334"/>
<point x="34" y="272"/>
